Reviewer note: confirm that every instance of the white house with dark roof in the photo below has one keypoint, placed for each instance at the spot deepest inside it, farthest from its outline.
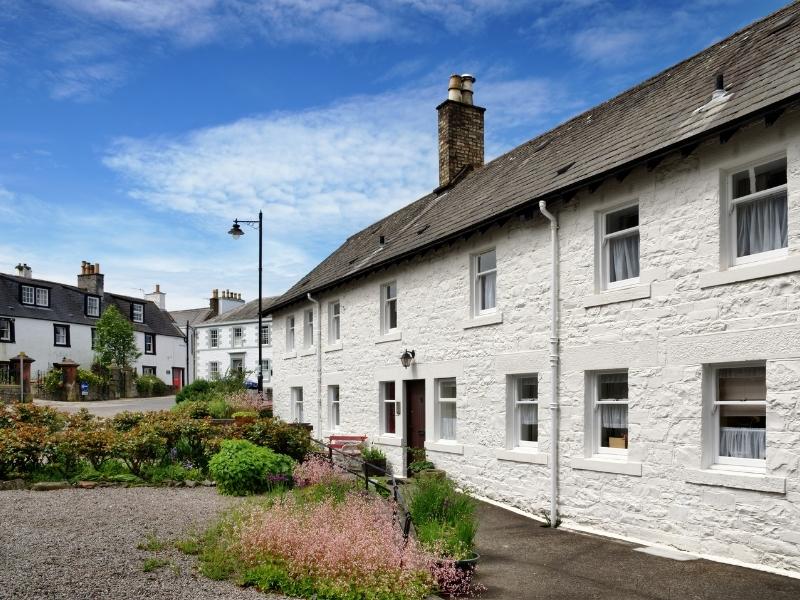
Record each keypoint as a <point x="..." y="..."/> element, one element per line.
<point x="50" y="321"/>
<point x="602" y="324"/>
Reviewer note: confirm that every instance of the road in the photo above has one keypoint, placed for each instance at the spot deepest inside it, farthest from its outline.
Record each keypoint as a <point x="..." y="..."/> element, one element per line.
<point x="109" y="408"/>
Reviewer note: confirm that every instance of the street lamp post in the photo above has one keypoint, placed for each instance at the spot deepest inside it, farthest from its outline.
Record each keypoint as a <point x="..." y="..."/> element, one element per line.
<point x="236" y="232"/>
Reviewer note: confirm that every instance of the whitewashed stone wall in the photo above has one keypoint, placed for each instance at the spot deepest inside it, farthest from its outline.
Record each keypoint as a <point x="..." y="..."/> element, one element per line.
<point x="663" y="493"/>
<point x="225" y="350"/>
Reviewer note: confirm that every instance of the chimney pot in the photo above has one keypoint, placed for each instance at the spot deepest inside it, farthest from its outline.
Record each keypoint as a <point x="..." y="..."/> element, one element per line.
<point x="461" y="141"/>
<point x="158" y="289"/>
<point x="454" y="88"/>
<point x="467" y="82"/>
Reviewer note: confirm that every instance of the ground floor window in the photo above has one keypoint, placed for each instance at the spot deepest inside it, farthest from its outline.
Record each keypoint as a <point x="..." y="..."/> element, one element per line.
<point x="148" y="370"/>
<point x="739" y="415"/>
<point x="297" y="404"/>
<point x="333" y="406"/>
<point x="237" y="364"/>
<point x="61" y="335"/>
<point x="524" y="412"/>
<point x="447" y="396"/>
<point x="6" y="330"/>
<point x="213" y="370"/>
<point x="390" y="408"/>
<point x="266" y="369"/>
<point x="5" y="373"/>
<point x="610" y="427"/>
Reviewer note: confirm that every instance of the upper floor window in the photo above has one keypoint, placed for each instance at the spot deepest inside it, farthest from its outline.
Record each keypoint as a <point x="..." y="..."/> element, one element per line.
<point x="308" y="328"/>
<point x="149" y="343"/>
<point x="610" y="427"/>
<point x="290" y="334"/>
<point x="35" y="296"/>
<point x="6" y="330"/>
<point x="334" y="322"/>
<point x="739" y="415"/>
<point x="213" y="338"/>
<point x="137" y="313"/>
<point x="484" y="284"/>
<point x="447" y="398"/>
<point x="525" y="410"/>
<point x="237" y="337"/>
<point x="93" y="306"/>
<point x="61" y="335"/>
<point x="758" y="212"/>
<point x="388" y="307"/>
<point x="266" y="335"/>
<point x="297" y="404"/>
<point x="619" y="246"/>
<point x="390" y="408"/>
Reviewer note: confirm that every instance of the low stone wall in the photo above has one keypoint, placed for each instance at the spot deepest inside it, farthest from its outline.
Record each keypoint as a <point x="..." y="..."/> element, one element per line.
<point x="10" y="393"/>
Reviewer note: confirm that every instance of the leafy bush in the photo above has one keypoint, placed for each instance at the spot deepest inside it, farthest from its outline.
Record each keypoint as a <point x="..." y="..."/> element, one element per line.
<point x="372" y="453"/>
<point x="241" y="468"/>
<point x="53" y="380"/>
<point x="444" y="519"/>
<point x="139" y="448"/>
<point x="93" y="379"/>
<point x="420" y="465"/>
<point x="284" y="438"/>
<point x="24" y="448"/>
<point x="150" y="385"/>
<point x="219" y="409"/>
<point x="126" y="420"/>
<point x="197" y="390"/>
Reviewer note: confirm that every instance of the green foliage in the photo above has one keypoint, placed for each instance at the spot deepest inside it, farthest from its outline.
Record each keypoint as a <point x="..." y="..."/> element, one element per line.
<point x="152" y="564"/>
<point x="444" y="519"/>
<point x="241" y="468"/>
<point x="152" y="544"/>
<point x="245" y="414"/>
<point x="372" y="453"/>
<point x="115" y="342"/>
<point x="190" y="545"/>
<point x="194" y="391"/>
<point x="139" y="448"/>
<point x="126" y="420"/>
<point x="283" y="438"/>
<point x="219" y="409"/>
<point x="419" y="466"/>
<point x="53" y="380"/>
<point x="203" y="390"/>
<point x="150" y="385"/>
<point x="93" y="379"/>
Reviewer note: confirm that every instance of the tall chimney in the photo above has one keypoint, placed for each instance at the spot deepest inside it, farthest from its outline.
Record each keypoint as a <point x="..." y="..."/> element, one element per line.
<point x="157" y="297"/>
<point x="90" y="279"/>
<point x="213" y="302"/>
<point x="460" y="130"/>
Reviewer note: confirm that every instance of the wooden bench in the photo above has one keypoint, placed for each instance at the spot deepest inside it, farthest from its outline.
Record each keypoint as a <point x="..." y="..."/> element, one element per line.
<point x="339" y="442"/>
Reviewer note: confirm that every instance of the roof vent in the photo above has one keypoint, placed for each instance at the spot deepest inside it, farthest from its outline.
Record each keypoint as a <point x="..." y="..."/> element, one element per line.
<point x="781" y="25"/>
<point x="381" y="240"/>
<point x="565" y="168"/>
<point x="543" y="145"/>
<point x="718" y="96"/>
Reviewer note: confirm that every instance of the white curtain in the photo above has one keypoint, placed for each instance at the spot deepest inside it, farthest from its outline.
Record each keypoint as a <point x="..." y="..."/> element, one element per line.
<point x="624" y="257"/>
<point x="743" y="442"/>
<point x="528" y="421"/>
<point x="613" y="416"/>
<point x="447" y="412"/>
<point x="761" y="225"/>
<point x="488" y="286"/>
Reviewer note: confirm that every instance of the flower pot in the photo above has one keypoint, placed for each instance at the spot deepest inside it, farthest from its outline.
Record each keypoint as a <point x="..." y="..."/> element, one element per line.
<point x="375" y="467"/>
<point x="468" y="564"/>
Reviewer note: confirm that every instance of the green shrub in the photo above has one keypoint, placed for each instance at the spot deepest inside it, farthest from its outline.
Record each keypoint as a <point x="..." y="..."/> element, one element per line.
<point x="194" y="391"/>
<point x="194" y="409"/>
<point x="94" y="380"/>
<point x="150" y="385"/>
<point x="444" y="519"/>
<point x="219" y="409"/>
<point x="370" y="453"/>
<point x="53" y="380"/>
<point x="126" y="420"/>
<point x="140" y="447"/>
<point x="241" y="468"/>
<point x="281" y="437"/>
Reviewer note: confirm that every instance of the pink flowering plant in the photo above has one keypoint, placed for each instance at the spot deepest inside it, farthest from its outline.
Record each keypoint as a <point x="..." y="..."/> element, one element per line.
<point x="318" y="470"/>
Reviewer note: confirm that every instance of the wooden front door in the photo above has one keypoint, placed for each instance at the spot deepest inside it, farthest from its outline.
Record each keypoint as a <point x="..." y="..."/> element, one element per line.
<point x="415" y="415"/>
<point x="177" y="378"/>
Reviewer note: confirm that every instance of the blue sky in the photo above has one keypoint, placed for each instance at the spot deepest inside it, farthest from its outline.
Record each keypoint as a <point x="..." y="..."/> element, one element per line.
<point x="133" y="131"/>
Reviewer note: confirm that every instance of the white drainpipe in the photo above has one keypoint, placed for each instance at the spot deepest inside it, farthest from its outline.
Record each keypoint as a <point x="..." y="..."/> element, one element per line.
<point x="554" y="360"/>
<point x="318" y="344"/>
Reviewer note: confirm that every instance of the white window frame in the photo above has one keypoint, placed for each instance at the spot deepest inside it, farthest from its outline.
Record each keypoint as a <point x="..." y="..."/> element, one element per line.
<point x="477" y="276"/>
<point x="213" y="370"/>
<point x="137" y="313"/>
<point x="5" y="329"/>
<point x="152" y="344"/>
<point x="42" y="297"/>
<point x="266" y="369"/>
<point x="213" y="338"/>
<point x="726" y="462"/>
<point x="334" y="322"/>
<point x="334" y="408"/>
<point x="384" y="401"/>
<point x="731" y="204"/>
<point x="596" y="415"/>
<point x="297" y="404"/>
<point x="386" y="304"/>
<point x="440" y="383"/>
<point x="90" y="300"/>
<point x="516" y="402"/>
<point x="237" y="341"/>
<point x="308" y="328"/>
<point x="149" y="370"/>
<point x="266" y="334"/>
<point x="290" y="341"/>
<point x="604" y="248"/>
<point x="28" y="295"/>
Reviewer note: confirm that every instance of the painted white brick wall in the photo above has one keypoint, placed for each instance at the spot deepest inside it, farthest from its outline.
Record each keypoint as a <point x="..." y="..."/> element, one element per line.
<point x="663" y="340"/>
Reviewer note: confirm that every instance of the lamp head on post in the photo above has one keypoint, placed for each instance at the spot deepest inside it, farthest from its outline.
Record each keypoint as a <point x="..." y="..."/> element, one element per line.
<point x="236" y="230"/>
<point x="406" y="358"/>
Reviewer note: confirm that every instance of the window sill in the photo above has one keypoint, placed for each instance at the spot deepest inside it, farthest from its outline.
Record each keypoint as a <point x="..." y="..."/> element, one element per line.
<point x="289" y="355"/>
<point x="736" y="479"/>
<point x="633" y="292"/>
<point x="606" y="465"/>
<point x="389" y="440"/>
<point x="445" y="446"/>
<point x="392" y="336"/>
<point x="523" y="455"/>
<point x="483" y="320"/>
<point x="333" y="347"/>
<point x="746" y="272"/>
<point x="308" y="351"/>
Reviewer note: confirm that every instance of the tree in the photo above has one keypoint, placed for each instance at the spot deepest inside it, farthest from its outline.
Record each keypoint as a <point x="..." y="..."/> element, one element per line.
<point x="115" y="342"/>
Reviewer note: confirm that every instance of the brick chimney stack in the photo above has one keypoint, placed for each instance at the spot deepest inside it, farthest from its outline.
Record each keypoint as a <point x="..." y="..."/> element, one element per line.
<point x="90" y="279"/>
<point x="460" y="130"/>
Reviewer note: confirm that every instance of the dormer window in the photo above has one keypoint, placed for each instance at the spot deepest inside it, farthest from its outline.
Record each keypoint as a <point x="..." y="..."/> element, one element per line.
<point x="35" y="296"/>
<point x="137" y="313"/>
<point x="92" y="306"/>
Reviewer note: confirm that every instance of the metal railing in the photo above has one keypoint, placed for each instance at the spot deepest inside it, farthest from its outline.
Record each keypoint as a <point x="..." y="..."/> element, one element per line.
<point x="362" y="473"/>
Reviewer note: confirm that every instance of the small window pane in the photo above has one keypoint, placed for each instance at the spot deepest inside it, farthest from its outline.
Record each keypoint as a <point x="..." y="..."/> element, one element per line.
<point x="447" y="413"/>
<point x="42" y="297"/>
<point x="614" y="426"/>
<point x="770" y="175"/>
<point x="622" y="219"/>
<point x="528" y="422"/>
<point x="392" y="314"/>
<point x="623" y="260"/>
<point x="528" y="388"/>
<point x="391" y="290"/>
<point x="743" y="432"/>
<point x="741" y="184"/>
<point x="487" y="261"/>
<point x="390" y="425"/>
<point x="743" y="383"/>
<point x="27" y="294"/>
<point x="613" y="386"/>
<point x="762" y="225"/>
<point x="447" y="388"/>
<point x="388" y="390"/>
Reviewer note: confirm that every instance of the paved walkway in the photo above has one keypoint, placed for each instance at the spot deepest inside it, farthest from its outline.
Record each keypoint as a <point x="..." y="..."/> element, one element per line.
<point x="109" y="408"/>
<point x="520" y="560"/>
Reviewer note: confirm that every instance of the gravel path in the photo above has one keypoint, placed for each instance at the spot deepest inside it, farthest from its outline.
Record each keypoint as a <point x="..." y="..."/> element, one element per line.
<point x="82" y="544"/>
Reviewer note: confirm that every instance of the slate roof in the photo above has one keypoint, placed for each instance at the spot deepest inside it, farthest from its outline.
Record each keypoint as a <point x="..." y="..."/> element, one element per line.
<point x="760" y="64"/>
<point x="67" y="306"/>
<point x="195" y="316"/>
<point x="246" y="312"/>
